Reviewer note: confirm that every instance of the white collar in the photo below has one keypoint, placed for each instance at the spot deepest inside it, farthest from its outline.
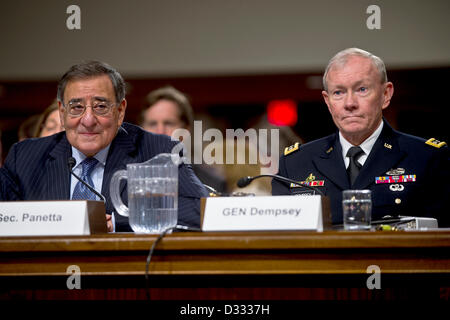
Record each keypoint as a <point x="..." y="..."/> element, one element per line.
<point x="366" y="145"/>
<point x="100" y="156"/>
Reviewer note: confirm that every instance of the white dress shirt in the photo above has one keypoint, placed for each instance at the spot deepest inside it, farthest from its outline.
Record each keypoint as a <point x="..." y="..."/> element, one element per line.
<point x="366" y="146"/>
<point x="97" y="172"/>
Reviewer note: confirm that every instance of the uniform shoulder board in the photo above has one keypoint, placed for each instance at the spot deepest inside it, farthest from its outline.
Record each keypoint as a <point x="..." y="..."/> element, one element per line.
<point x="436" y="143"/>
<point x="292" y="148"/>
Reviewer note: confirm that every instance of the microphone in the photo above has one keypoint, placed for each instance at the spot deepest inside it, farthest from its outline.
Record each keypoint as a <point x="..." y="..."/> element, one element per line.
<point x="71" y="163"/>
<point x="245" y="181"/>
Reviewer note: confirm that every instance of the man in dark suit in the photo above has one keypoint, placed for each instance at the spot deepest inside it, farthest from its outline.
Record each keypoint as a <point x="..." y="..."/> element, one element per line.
<point x="407" y="175"/>
<point x="92" y="104"/>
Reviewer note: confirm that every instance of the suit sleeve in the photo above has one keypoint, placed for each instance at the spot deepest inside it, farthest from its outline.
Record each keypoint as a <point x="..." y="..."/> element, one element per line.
<point x="190" y="190"/>
<point x="9" y="189"/>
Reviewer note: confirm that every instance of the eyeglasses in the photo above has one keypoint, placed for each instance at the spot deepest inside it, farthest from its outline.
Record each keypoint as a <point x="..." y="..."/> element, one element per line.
<point x="100" y="108"/>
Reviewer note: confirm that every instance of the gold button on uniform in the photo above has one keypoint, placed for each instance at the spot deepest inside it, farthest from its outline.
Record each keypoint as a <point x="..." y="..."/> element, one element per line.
<point x="398" y="201"/>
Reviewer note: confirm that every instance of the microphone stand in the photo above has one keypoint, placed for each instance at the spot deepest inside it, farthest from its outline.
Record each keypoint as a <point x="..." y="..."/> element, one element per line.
<point x="245" y="181"/>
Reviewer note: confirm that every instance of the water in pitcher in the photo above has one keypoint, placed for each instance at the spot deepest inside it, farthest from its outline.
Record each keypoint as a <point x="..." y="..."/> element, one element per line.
<point x="153" y="205"/>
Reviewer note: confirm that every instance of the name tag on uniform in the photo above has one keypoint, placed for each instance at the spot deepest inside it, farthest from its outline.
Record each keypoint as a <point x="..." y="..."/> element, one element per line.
<point x="48" y="218"/>
<point x="265" y="213"/>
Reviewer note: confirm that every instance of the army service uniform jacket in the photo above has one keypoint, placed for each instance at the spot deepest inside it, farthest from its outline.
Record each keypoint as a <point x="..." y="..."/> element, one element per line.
<point x="407" y="175"/>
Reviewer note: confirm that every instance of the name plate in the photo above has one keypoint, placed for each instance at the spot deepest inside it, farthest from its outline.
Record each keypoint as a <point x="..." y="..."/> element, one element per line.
<point x="48" y="218"/>
<point x="266" y="213"/>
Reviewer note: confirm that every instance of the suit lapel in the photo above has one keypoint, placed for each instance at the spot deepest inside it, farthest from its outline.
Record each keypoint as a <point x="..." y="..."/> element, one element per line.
<point x="331" y="164"/>
<point x="121" y="152"/>
<point x="57" y="175"/>
<point x="385" y="154"/>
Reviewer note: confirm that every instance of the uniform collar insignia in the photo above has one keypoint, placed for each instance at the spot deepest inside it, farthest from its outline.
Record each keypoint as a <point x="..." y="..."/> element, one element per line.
<point x="387" y="145"/>
<point x="435" y="143"/>
<point x="292" y="148"/>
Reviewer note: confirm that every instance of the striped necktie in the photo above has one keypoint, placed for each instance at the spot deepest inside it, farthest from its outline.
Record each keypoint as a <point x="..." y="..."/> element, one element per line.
<point x="81" y="192"/>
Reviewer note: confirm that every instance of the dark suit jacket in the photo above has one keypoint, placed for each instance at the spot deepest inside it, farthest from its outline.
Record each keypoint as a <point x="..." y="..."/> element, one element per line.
<point x="37" y="169"/>
<point x="427" y="196"/>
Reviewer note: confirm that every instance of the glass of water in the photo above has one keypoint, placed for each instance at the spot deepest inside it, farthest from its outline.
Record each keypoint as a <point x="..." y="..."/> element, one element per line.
<point x="357" y="206"/>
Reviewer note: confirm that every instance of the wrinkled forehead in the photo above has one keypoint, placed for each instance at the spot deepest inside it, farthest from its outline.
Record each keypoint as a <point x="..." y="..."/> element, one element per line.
<point x="98" y="88"/>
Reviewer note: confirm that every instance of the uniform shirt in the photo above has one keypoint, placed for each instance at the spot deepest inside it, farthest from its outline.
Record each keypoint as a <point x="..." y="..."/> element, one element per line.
<point x="366" y="146"/>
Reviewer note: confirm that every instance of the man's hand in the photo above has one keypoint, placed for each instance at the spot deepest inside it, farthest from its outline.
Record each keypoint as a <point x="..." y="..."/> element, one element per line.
<point x="109" y="224"/>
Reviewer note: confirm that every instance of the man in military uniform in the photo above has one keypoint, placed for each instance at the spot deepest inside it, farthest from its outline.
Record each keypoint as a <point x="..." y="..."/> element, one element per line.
<point x="407" y="175"/>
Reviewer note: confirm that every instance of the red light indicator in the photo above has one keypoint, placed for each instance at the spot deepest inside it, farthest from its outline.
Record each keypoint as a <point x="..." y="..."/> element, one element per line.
<point x="282" y="112"/>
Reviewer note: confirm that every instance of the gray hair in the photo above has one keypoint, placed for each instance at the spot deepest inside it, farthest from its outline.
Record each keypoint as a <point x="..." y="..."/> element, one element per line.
<point x="92" y="69"/>
<point x="342" y="57"/>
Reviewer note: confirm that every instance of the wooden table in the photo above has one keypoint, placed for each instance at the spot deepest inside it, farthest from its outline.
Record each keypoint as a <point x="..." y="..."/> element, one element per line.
<point x="229" y="265"/>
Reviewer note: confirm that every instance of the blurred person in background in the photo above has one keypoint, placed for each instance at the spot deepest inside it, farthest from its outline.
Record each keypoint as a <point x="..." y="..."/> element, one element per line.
<point x="168" y="109"/>
<point x="286" y="137"/>
<point x="27" y="128"/>
<point x="41" y="125"/>
<point x="49" y="122"/>
<point x="236" y="171"/>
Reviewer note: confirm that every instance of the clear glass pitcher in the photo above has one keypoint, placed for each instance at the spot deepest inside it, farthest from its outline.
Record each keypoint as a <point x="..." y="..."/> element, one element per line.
<point x="152" y="193"/>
